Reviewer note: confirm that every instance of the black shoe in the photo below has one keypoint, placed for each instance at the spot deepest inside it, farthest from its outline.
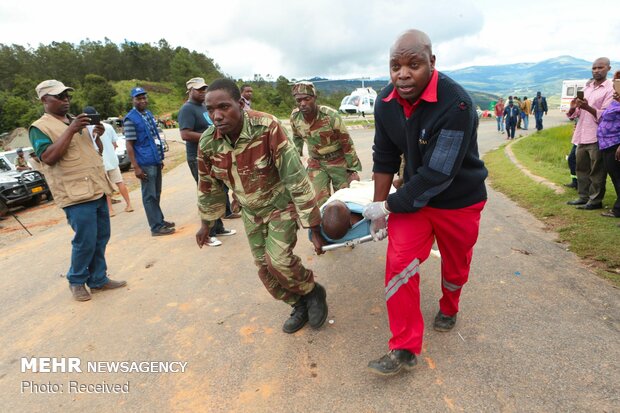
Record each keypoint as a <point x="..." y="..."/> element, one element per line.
<point x="589" y="207"/>
<point x="393" y="362"/>
<point x="579" y="201"/>
<point x="298" y="317"/>
<point x="317" y="305"/>
<point x="162" y="231"/>
<point x="169" y="224"/>
<point x="571" y="185"/>
<point x="443" y="322"/>
<point x="609" y="214"/>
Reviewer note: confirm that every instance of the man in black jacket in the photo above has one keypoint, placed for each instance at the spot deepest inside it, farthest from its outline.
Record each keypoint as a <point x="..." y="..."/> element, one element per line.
<point x="431" y="120"/>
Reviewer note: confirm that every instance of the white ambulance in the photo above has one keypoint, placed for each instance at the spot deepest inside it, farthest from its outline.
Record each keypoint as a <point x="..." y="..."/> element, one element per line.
<point x="569" y="92"/>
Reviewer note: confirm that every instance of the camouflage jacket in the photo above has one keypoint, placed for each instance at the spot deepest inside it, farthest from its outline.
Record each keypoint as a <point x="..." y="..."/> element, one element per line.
<point x="326" y="135"/>
<point x="262" y="168"/>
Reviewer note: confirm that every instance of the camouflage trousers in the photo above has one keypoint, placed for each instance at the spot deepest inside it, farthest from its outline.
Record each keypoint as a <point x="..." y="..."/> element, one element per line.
<point x="279" y="269"/>
<point x="324" y="173"/>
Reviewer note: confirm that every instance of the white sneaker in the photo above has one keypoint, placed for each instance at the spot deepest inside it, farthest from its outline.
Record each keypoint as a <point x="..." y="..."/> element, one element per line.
<point x="214" y="242"/>
<point x="227" y="232"/>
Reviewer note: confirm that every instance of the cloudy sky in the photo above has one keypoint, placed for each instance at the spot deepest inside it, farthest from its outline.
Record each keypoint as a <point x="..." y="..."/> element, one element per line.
<point x="330" y="38"/>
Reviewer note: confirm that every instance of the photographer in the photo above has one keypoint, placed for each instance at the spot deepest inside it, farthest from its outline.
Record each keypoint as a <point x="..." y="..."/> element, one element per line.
<point x="76" y="176"/>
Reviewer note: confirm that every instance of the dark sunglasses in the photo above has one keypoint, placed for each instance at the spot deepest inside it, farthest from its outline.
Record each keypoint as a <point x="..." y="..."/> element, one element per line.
<point x="62" y="96"/>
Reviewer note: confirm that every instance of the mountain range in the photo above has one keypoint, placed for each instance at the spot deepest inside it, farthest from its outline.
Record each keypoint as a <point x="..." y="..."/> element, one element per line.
<point x="486" y="83"/>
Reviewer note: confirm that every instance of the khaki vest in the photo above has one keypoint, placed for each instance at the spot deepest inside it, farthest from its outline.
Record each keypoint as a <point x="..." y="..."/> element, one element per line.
<point x="79" y="176"/>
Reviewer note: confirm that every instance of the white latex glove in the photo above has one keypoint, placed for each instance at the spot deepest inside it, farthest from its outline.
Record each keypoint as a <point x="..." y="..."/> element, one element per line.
<point x="377" y="212"/>
<point x="378" y="229"/>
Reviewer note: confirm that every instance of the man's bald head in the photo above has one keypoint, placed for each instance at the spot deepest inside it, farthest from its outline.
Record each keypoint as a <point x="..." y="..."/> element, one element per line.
<point x="336" y="219"/>
<point x="412" y="40"/>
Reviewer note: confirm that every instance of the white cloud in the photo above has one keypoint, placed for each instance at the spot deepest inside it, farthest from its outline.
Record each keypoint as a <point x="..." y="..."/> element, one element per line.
<point x="348" y="38"/>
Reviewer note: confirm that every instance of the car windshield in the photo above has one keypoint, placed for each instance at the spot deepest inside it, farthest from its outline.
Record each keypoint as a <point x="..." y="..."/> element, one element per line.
<point x="4" y="166"/>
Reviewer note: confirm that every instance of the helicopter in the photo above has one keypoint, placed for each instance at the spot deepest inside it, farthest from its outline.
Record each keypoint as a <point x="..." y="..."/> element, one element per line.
<point x="360" y="101"/>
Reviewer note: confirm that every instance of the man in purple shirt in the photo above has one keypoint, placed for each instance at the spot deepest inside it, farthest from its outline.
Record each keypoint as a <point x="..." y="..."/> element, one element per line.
<point x="591" y="173"/>
<point x="609" y="144"/>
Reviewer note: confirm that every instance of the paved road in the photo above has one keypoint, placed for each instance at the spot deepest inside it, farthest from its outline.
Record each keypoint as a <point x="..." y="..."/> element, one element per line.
<point x="537" y="330"/>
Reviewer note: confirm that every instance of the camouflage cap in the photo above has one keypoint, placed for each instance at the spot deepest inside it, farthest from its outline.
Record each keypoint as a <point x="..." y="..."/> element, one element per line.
<point x="304" y="88"/>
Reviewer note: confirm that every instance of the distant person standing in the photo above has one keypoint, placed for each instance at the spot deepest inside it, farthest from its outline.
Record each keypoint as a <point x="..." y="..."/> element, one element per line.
<point x="246" y="96"/>
<point x="193" y="121"/>
<point x="332" y="158"/>
<point x="146" y="152"/>
<point x="517" y="103"/>
<point x="590" y="168"/>
<point x="110" y="161"/>
<point x="499" y="115"/>
<point x="539" y="106"/>
<point x="511" y="116"/>
<point x="526" y="110"/>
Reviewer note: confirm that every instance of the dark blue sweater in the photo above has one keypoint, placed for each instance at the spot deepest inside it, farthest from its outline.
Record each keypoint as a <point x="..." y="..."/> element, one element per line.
<point x="439" y="142"/>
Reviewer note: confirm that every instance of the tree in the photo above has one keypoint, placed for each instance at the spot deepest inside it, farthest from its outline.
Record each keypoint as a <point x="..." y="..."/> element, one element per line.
<point x="97" y="92"/>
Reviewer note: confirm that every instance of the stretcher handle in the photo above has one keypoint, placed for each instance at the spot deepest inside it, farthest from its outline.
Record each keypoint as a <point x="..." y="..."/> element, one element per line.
<point x="351" y="243"/>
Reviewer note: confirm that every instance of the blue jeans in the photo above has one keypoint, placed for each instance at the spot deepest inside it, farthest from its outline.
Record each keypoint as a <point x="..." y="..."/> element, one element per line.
<point x="151" y="194"/>
<point x="538" y="116"/>
<point x="91" y="223"/>
<point x="500" y="123"/>
<point x="526" y="121"/>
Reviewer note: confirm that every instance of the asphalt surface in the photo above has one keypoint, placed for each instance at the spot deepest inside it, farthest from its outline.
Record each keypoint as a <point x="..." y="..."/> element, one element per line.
<point x="537" y="330"/>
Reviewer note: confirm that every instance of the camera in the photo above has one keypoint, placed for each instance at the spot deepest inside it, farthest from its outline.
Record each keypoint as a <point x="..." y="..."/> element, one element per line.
<point x="95" y="119"/>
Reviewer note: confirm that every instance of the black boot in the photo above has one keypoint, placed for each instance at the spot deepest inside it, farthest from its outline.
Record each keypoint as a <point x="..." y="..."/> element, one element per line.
<point x="298" y="317"/>
<point x="393" y="362"/>
<point x="444" y="322"/>
<point x="317" y="305"/>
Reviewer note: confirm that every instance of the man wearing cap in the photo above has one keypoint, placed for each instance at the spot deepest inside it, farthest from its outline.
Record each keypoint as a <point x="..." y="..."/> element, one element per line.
<point x="252" y="153"/>
<point x="332" y="158"/>
<point x="146" y="152"/>
<point x="75" y="173"/>
<point x="193" y="120"/>
<point x="21" y="164"/>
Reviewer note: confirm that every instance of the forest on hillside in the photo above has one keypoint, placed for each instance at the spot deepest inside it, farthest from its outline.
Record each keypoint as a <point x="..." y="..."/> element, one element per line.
<point x="102" y="73"/>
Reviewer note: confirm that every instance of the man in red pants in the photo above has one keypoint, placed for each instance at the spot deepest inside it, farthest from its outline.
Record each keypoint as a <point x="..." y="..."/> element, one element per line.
<point x="431" y="120"/>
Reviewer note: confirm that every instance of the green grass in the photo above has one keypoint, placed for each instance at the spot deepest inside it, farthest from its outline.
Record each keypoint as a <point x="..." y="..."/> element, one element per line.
<point x="590" y="236"/>
<point x="164" y="98"/>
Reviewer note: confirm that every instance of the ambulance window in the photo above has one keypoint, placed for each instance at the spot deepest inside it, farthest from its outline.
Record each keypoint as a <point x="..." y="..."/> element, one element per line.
<point x="570" y="91"/>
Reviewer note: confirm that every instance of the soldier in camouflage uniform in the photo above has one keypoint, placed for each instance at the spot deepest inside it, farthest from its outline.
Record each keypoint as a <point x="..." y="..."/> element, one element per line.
<point x="332" y="157"/>
<point x="253" y="155"/>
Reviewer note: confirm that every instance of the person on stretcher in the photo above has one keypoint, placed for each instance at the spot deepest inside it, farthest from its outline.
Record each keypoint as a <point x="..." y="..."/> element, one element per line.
<point x="342" y="219"/>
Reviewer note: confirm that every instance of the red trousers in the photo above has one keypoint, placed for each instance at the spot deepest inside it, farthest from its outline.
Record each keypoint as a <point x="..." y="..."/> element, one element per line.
<point x="410" y="238"/>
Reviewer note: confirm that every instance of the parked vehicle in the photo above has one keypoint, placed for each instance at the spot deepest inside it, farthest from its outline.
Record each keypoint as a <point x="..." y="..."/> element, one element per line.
<point x="124" y="163"/>
<point x="569" y="92"/>
<point x="21" y="188"/>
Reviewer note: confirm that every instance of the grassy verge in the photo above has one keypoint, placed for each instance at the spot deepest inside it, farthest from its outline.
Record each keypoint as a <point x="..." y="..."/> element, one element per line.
<point x="590" y="236"/>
